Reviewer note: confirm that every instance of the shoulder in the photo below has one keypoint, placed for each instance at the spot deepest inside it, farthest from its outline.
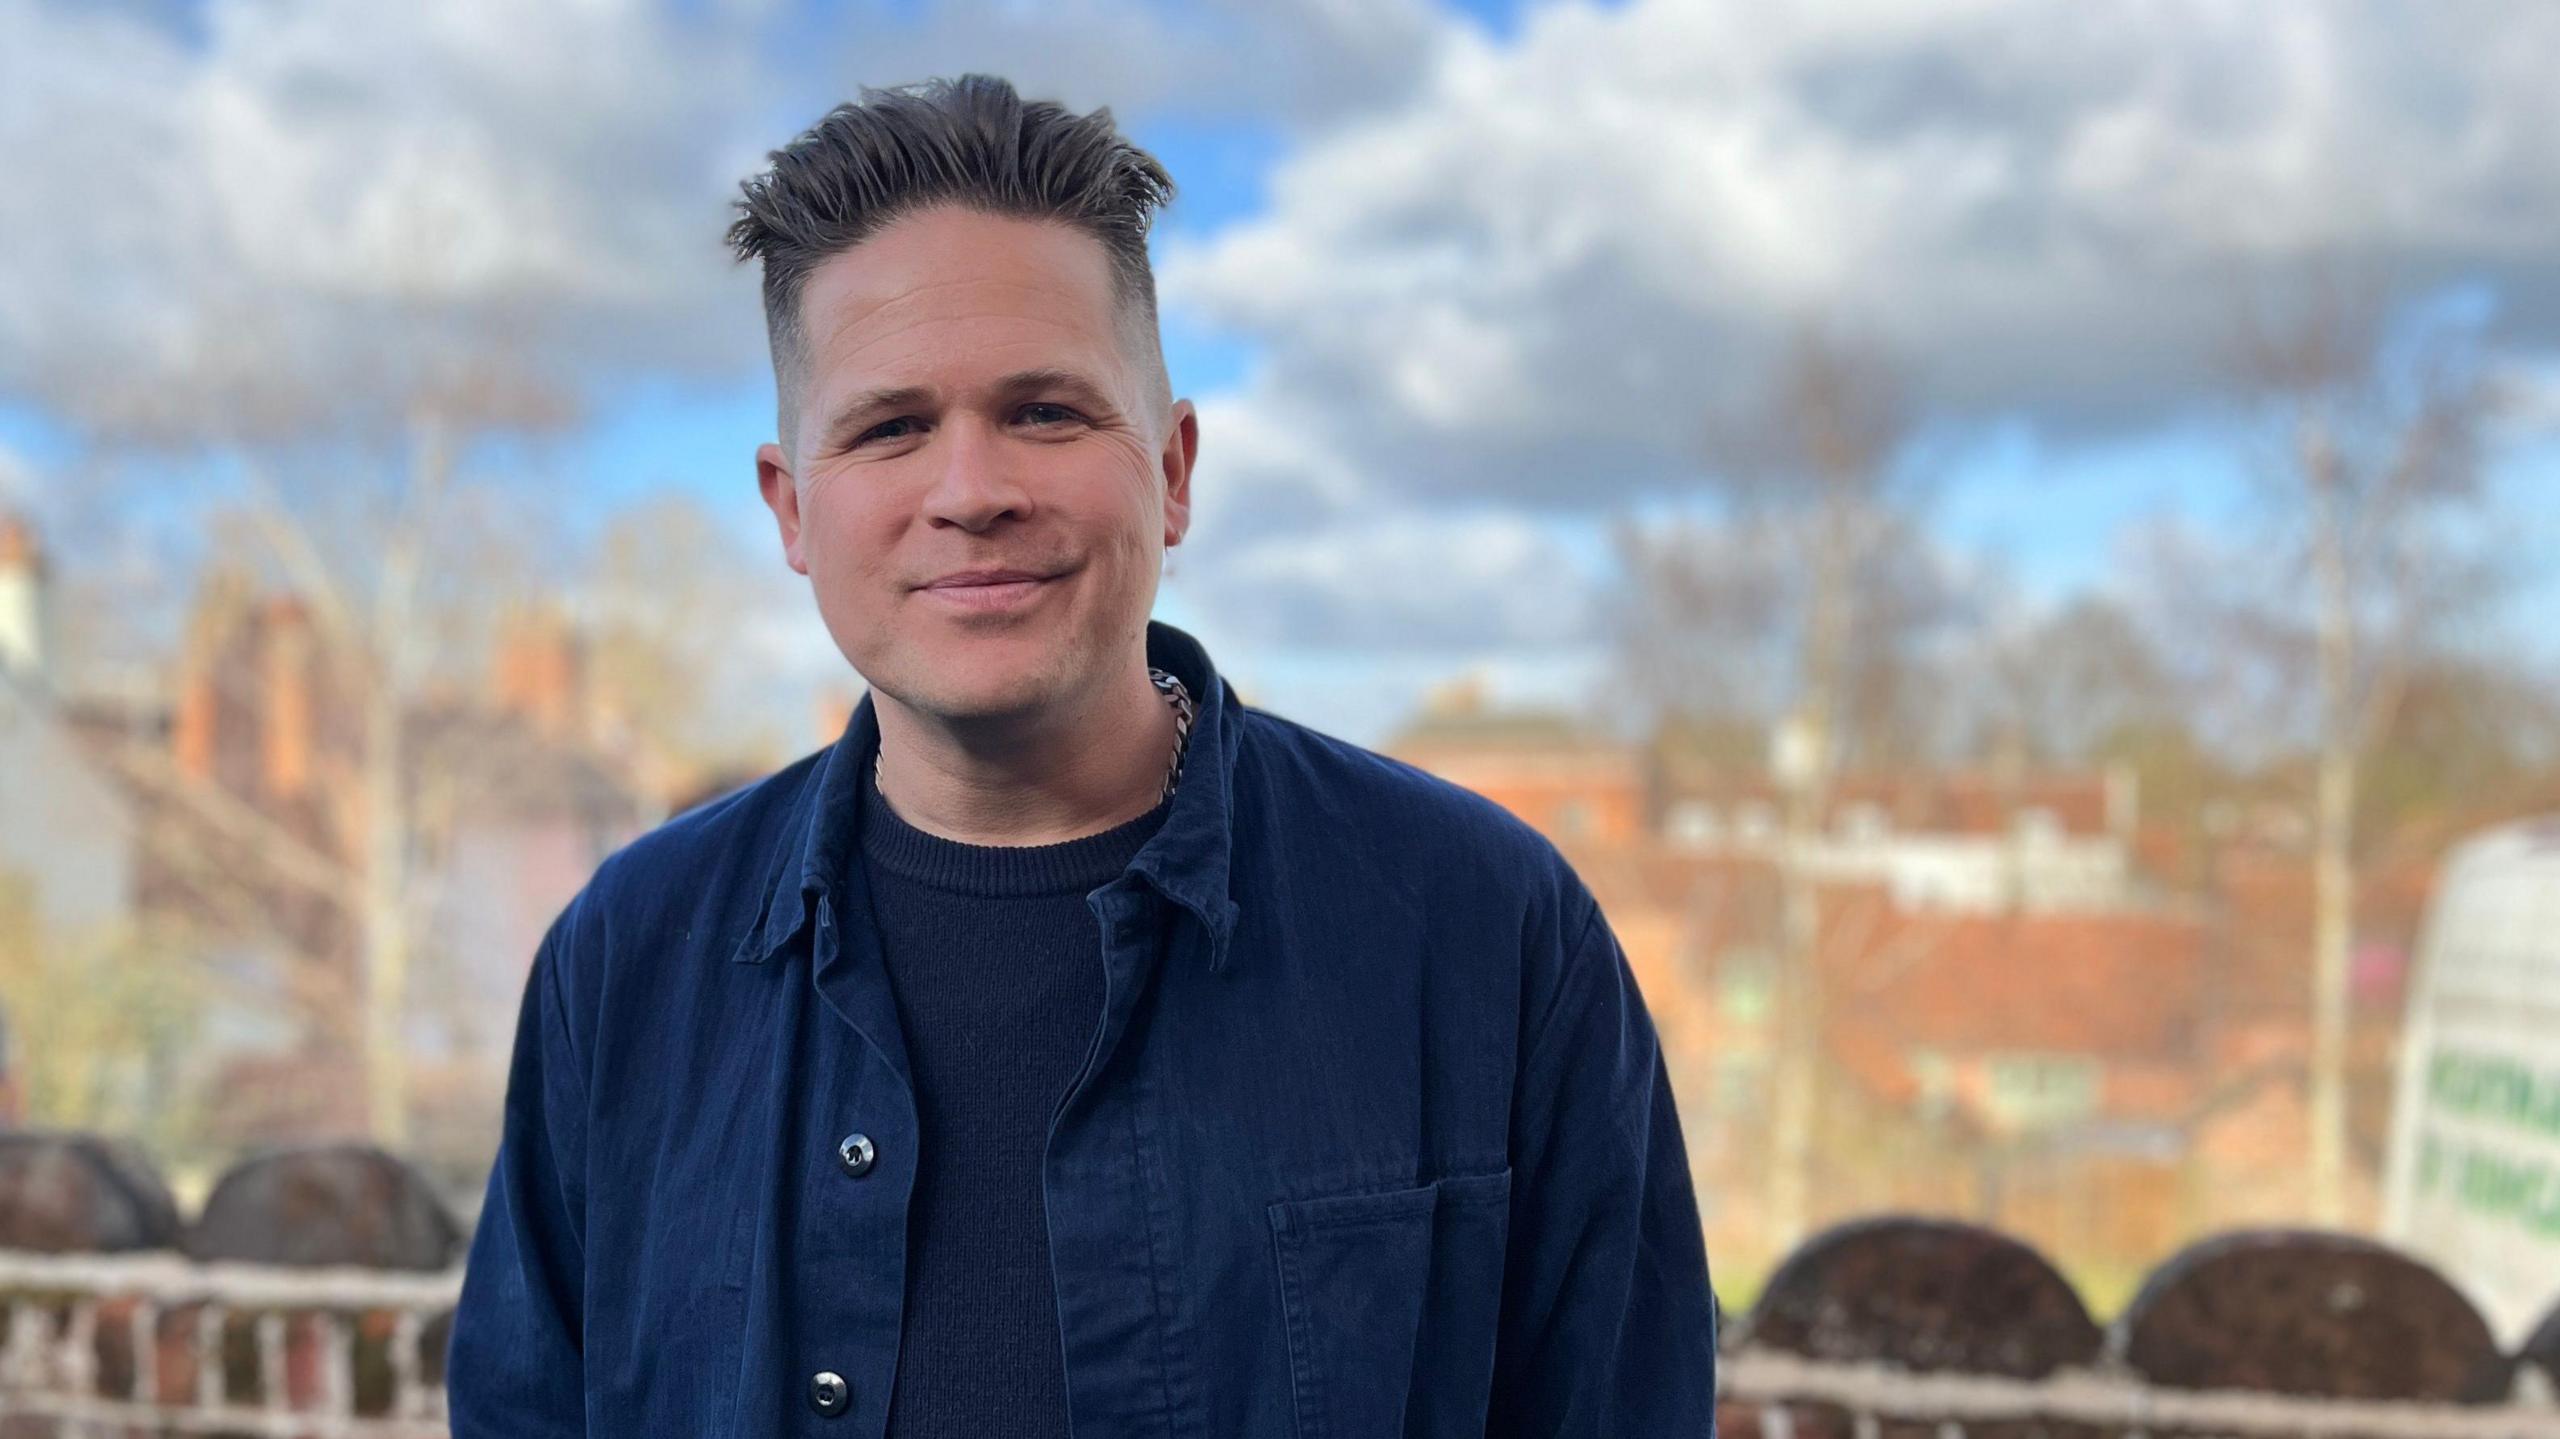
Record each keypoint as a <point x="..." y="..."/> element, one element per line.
<point x="1452" y="842"/>
<point x="692" y="886"/>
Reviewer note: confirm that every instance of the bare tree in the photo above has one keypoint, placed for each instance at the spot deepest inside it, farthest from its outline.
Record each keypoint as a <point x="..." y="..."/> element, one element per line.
<point x="2376" y="465"/>
<point x="2054" y="690"/>
<point x="673" y="603"/>
<point x="342" y="876"/>
<point x="1798" y="609"/>
<point x="345" y="477"/>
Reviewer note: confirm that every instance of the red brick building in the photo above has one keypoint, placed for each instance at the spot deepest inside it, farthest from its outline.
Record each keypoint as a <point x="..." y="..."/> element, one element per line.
<point x="2023" y="1022"/>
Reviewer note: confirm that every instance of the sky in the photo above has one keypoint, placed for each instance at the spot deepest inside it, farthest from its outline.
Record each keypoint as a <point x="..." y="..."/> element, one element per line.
<point x="1453" y="285"/>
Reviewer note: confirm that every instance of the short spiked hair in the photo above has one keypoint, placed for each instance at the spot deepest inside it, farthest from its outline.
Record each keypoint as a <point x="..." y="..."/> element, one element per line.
<point x="972" y="142"/>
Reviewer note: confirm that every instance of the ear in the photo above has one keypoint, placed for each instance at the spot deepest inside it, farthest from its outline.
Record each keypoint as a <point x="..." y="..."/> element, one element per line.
<point x="782" y="496"/>
<point x="1181" y="453"/>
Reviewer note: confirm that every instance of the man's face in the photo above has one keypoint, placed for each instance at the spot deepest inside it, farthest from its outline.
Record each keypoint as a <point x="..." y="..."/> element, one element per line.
<point x="969" y="404"/>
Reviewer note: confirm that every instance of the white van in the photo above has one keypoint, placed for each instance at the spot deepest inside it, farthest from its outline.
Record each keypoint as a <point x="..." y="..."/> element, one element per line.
<point x="2474" y="1179"/>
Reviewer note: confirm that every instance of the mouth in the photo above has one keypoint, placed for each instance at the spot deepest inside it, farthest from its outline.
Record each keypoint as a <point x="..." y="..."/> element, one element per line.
<point x="990" y="594"/>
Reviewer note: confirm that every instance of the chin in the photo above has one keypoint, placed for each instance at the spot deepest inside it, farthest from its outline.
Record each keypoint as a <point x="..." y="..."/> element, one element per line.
<point x="982" y="691"/>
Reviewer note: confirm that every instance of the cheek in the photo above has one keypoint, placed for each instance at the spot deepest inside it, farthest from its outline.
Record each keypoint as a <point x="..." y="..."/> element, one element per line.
<point x="1132" y="531"/>
<point x="1140" y="492"/>
<point x="846" y="548"/>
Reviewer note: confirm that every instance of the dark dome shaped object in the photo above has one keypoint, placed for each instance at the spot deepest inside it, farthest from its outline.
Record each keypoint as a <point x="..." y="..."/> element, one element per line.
<point x="2542" y="1346"/>
<point x="2310" y="1313"/>
<point x="1927" y="1295"/>
<point x="348" y="1204"/>
<point x="68" y="1193"/>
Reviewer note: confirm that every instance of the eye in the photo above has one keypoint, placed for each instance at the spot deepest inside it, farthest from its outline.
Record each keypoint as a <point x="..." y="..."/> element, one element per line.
<point x="885" y="430"/>
<point x="1040" y="412"/>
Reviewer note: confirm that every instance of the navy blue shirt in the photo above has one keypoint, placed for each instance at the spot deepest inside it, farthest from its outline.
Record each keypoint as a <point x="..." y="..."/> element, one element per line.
<point x="1373" y="1137"/>
<point x="996" y="966"/>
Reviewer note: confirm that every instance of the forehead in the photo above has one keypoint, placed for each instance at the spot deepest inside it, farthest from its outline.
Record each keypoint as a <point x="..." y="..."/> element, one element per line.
<point x="948" y="286"/>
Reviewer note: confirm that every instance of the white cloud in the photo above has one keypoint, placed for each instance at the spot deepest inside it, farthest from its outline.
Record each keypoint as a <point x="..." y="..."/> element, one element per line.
<point x="268" y="212"/>
<point x="293" y="203"/>
<point x="1538" y="274"/>
<point x="1401" y="580"/>
<point x="1264" y="467"/>
<point x="1495" y="272"/>
<point x="1297" y="62"/>
<point x="305" y="198"/>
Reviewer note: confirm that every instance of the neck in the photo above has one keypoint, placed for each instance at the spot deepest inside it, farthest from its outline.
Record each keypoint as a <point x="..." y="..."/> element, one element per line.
<point x="1029" y="779"/>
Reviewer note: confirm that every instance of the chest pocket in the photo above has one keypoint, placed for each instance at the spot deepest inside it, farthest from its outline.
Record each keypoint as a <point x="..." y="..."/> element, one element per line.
<point x="1391" y="1302"/>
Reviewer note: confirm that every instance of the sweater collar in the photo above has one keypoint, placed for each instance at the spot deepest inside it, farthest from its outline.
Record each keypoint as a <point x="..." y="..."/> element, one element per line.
<point x="1188" y="861"/>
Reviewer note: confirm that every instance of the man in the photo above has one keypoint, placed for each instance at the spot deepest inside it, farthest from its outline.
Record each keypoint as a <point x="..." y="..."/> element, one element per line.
<point x="1068" y="1048"/>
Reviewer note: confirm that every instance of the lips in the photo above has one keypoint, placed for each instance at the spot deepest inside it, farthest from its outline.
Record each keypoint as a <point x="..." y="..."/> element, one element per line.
<point x="987" y="591"/>
<point x="966" y="578"/>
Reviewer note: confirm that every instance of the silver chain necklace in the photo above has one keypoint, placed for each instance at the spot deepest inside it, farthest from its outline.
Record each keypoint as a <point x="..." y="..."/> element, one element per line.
<point x="1175" y="694"/>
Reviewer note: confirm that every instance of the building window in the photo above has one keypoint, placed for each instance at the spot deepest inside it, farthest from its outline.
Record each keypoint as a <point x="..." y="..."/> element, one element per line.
<point x="2039" y="826"/>
<point x="2041" y="1091"/>
<point x="1863" y="822"/>
<point x="1756" y="821"/>
<point x="1691" y="824"/>
<point x="1743" y="981"/>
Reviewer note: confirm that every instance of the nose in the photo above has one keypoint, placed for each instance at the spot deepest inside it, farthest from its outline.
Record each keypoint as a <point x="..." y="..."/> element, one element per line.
<point x="976" y="483"/>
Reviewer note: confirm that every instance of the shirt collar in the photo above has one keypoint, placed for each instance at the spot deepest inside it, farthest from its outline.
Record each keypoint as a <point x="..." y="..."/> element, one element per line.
<point x="1188" y="860"/>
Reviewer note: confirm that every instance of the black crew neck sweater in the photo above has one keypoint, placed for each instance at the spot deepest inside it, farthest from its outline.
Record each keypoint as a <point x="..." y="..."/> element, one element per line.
<point x="996" y="964"/>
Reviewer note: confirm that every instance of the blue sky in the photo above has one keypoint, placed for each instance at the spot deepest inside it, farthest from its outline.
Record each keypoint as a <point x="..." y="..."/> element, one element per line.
<point x="1450" y="281"/>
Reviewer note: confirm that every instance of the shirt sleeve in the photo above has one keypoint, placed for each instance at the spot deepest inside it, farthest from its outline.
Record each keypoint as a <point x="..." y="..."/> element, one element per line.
<point x="514" y="1364"/>
<point x="1608" y="1324"/>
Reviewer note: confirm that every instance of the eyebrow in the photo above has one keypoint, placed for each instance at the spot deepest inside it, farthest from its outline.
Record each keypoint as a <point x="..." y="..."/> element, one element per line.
<point x="855" y="414"/>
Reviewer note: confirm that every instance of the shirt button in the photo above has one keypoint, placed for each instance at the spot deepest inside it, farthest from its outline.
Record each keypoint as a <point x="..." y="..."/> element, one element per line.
<point x="855" y="1152"/>
<point x="829" y="1394"/>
